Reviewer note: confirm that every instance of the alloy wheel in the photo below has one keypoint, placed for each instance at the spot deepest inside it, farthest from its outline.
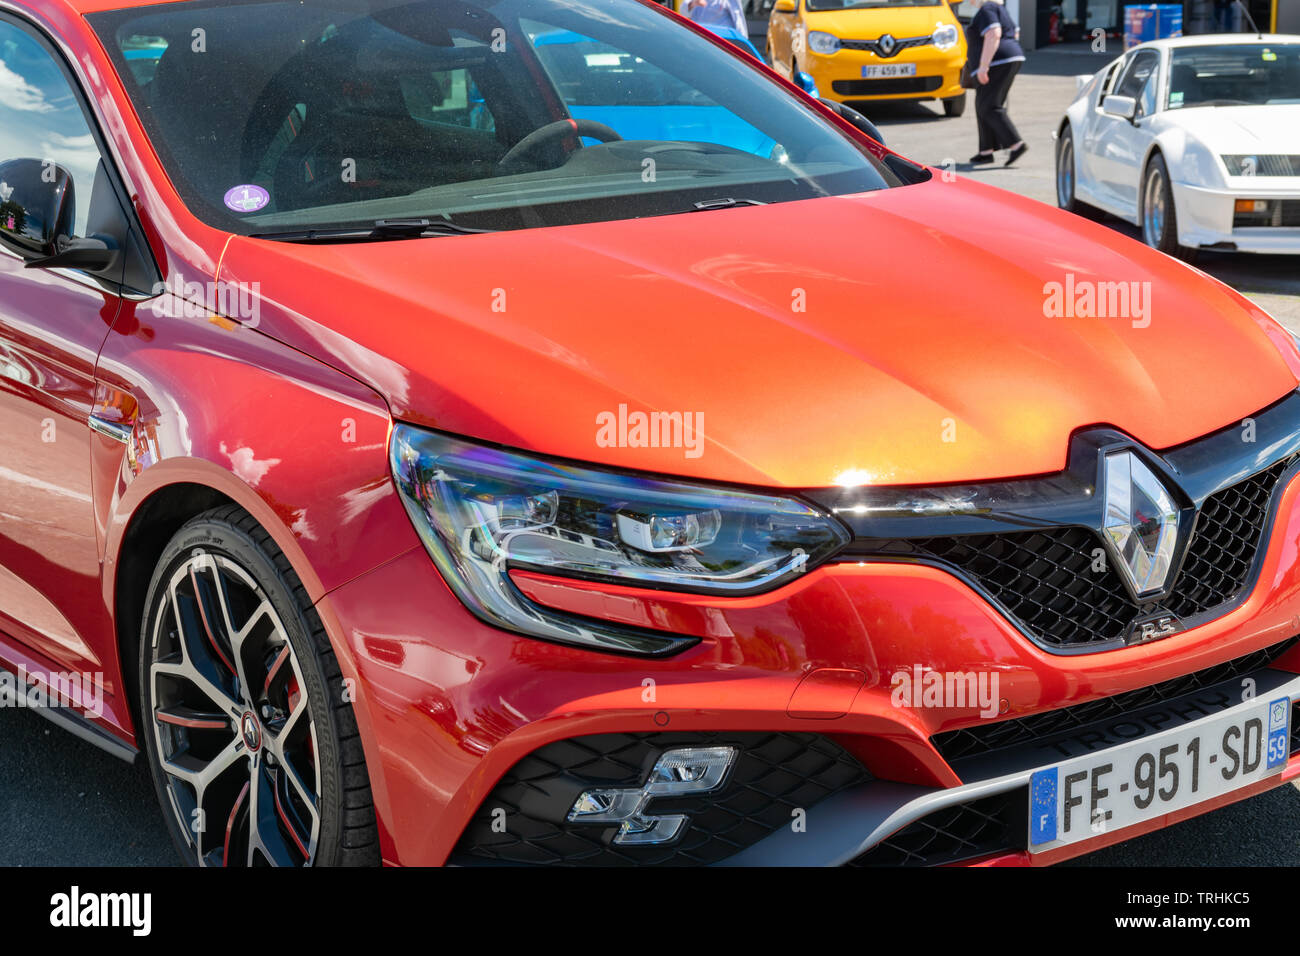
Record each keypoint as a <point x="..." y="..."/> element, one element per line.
<point x="235" y="739"/>
<point x="1153" y="208"/>
<point x="1065" y="174"/>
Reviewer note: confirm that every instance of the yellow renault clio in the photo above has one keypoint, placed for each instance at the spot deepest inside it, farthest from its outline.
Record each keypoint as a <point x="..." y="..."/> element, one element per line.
<point x="858" y="51"/>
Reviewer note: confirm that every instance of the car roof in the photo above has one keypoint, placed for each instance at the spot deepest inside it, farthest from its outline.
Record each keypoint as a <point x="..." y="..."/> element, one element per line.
<point x="95" y="6"/>
<point x="1218" y="39"/>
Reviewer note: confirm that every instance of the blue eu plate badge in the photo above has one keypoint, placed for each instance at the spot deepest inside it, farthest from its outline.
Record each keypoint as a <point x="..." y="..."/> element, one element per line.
<point x="1042" y="806"/>
<point x="1279" y="738"/>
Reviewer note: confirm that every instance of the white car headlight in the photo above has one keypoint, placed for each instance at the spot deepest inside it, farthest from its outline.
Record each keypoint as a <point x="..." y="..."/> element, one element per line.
<point x="823" y="43"/>
<point x="483" y="511"/>
<point x="945" y="36"/>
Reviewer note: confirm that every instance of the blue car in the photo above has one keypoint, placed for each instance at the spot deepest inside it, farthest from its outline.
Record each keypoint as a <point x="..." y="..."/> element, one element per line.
<point x="732" y="35"/>
<point x="652" y="104"/>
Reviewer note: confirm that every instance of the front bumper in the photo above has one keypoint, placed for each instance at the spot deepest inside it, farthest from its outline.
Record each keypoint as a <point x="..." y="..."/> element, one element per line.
<point x="1206" y="218"/>
<point x="839" y="75"/>
<point x="448" y="706"/>
<point x="984" y="820"/>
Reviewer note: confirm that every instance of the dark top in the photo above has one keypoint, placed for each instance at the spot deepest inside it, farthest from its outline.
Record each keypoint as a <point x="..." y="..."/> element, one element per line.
<point x="992" y="14"/>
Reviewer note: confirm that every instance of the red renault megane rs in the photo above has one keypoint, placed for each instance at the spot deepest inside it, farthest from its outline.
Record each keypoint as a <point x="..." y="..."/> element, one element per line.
<point x="531" y="432"/>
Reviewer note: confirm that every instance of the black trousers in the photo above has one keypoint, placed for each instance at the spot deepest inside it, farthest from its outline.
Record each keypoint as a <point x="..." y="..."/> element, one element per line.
<point x="996" y="129"/>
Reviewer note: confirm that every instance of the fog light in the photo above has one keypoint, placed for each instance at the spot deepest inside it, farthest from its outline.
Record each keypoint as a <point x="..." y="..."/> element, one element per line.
<point x="677" y="773"/>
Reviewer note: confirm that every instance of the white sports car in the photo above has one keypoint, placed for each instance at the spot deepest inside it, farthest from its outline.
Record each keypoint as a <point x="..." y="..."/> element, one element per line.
<point x="1196" y="139"/>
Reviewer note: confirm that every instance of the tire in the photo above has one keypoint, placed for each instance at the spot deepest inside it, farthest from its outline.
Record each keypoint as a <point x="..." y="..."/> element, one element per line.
<point x="1066" y="172"/>
<point x="1156" y="213"/>
<point x="954" y="105"/>
<point x="1067" y="177"/>
<point x="242" y="697"/>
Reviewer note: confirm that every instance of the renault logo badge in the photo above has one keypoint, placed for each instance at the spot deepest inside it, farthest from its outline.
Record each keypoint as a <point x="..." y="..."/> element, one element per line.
<point x="1140" y="524"/>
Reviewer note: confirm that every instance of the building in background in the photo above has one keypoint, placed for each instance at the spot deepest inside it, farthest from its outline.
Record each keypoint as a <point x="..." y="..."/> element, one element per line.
<point x="1074" y="21"/>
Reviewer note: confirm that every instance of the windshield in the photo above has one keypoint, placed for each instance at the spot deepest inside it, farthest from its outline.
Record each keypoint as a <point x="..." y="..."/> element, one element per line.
<point x="1251" y="74"/>
<point x="497" y="114"/>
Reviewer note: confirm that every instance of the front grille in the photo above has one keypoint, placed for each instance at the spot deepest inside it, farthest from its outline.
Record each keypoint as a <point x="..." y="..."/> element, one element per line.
<point x="774" y="775"/>
<point x="1222" y="552"/>
<point x="982" y="827"/>
<point x="986" y="737"/>
<point x="1275" y="164"/>
<point x="873" y="46"/>
<point x="1054" y="583"/>
<point x="1280" y="214"/>
<point x="902" y="84"/>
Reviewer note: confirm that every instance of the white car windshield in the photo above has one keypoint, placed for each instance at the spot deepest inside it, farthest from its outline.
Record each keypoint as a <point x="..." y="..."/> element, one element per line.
<point x="1247" y="74"/>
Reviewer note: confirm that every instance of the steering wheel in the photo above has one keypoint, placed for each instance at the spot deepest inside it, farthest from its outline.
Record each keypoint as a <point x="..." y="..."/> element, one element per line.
<point x="557" y="130"/>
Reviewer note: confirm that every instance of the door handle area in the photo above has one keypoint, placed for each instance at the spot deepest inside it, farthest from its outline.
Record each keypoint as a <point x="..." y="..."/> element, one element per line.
<point x="118" y="431"/>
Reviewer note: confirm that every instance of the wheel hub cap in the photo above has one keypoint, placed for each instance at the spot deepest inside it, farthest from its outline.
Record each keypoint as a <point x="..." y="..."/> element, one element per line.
<point x="251" y="731"/>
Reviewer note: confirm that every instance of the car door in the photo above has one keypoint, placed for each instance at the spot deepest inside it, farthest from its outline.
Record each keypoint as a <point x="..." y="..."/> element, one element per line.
<point x="1090" y="129"/>
<point x="52" y="324"/>
<point x="1121" y="144"/>
<point x="781" y="26"/>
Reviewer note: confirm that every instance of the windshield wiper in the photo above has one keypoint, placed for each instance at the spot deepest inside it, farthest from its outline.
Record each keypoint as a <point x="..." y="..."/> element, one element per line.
<point x="709" y="205"/>
<point x="383" y="229"/>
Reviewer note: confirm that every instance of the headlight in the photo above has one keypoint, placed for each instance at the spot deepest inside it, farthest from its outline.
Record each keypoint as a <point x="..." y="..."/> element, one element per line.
<point x="1240" y="164"/>
<point x="823" y="43"/>
<point x="945" y="36"/>
<point x="482" y="511"/>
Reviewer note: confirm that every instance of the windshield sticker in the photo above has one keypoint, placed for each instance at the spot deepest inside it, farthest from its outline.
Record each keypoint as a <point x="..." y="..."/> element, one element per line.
<point x="1176" y="98"/>
<point x="1270" y="56"/>
<point x="247" y="198"/>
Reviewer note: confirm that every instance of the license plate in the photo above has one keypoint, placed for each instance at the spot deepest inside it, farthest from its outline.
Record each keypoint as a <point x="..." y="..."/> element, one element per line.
<point x="1126" y="785"/>
<point x="888" y="70"/>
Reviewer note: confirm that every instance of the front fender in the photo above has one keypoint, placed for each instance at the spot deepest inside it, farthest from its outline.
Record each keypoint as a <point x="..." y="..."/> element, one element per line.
<point x="302" y="447"/>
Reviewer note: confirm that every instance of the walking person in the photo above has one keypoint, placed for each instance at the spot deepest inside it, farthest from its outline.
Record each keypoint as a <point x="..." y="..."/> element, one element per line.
<point x="719" y="13"/>
<point x="994" y="57"/>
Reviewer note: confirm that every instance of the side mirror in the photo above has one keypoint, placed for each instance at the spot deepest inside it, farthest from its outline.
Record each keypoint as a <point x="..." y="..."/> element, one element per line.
<point x="785" y="6"/>
<point x="806" y="83"/>
<point x="37" y="206"/>
<point x="1125" y="107"/>
<point x="37" y="216"/>
<point x="855" y="118"/>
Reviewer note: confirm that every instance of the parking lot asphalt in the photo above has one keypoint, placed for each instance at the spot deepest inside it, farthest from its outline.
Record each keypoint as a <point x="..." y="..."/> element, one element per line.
<point x="63" y="802"/>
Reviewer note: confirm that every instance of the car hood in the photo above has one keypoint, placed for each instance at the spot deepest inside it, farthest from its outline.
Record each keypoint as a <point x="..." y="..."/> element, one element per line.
<point x="1243" y="129"/>
<point x="867" y="23"/>
<point x="911" y="335"/>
